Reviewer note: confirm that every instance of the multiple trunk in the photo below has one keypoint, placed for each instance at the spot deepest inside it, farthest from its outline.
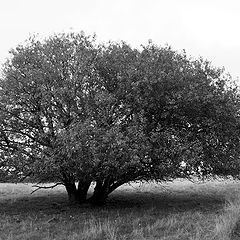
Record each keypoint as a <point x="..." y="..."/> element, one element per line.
<point x="77" y="194"/>
<point x="101" y="192"/>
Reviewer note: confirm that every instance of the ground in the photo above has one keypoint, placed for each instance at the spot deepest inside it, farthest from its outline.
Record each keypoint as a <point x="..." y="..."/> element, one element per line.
<point x="180" y="210"/>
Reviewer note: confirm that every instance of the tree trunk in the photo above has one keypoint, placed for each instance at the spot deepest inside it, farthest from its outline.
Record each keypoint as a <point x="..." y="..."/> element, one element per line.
<point x="77" y="195"/>
<point x="99" y="195"/>
<point x="72" y="192"/>
<point x="102" y="190"/>
<point x="82" y="190"/>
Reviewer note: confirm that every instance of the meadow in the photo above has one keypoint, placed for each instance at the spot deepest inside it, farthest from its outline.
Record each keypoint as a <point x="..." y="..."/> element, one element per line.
<point x="179" y="210"/>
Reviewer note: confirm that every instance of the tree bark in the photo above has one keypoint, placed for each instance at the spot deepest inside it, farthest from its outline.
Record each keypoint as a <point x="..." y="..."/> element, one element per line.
<point x="77" y="195"/>
<point x="102" y="190"/>
<point x="72" y="192"/>
<point x="82" y="190"/>
<point x="99" y="195"/>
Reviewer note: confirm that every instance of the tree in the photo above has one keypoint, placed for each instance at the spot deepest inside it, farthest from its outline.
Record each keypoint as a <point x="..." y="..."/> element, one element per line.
<point x="74" y="112"/>
<point x="198" y="104"/>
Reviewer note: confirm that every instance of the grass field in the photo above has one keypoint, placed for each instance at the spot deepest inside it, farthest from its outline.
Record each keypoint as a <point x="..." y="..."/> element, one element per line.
<point x="180" y="210"/>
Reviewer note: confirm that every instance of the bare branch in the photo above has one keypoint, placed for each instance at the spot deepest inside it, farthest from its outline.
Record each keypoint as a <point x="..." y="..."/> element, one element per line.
<point x="45" y="187"/>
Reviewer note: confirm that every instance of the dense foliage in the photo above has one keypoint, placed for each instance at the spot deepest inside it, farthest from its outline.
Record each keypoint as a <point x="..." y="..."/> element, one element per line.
<point x="74" y="111"/>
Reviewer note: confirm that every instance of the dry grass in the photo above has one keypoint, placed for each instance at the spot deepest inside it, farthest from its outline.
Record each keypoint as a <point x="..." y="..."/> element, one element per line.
<point x="173" y="211"/>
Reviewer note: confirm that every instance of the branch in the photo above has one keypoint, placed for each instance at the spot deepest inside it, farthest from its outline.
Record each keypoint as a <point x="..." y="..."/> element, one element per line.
<point x="45" y="187"/>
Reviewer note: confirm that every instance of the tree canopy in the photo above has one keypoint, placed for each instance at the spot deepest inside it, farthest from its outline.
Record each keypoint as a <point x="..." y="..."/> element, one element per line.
<point x="74" y="111"/>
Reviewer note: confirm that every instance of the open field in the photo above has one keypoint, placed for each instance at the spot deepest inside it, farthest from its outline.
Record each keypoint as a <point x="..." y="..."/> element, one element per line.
<point x="180" y="210"/>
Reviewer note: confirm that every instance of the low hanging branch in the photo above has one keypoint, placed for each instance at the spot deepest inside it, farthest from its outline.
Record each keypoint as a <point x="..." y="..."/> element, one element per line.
<point x="45" y="187"/>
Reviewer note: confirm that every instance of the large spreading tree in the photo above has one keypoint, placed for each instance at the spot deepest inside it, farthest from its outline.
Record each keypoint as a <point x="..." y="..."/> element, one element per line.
<point x="74" y="112"/>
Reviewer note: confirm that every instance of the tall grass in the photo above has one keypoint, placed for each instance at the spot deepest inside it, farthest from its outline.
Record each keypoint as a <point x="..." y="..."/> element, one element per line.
<point x="175" y="211"/>
<point x="226" y="223"/>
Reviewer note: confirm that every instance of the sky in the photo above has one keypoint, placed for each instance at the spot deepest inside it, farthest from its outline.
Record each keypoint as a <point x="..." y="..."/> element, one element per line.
<point x="207" y="28"/>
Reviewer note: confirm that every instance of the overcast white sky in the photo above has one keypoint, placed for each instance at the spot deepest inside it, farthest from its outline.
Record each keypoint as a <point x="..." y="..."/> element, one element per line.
<point x="207" y="28"/>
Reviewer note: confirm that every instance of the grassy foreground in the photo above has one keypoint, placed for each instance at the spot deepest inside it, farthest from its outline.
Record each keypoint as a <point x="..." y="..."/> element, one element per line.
<point x="180" y="210"/>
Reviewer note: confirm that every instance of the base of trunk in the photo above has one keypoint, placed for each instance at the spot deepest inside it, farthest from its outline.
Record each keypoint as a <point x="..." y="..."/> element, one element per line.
<point x="77" y="195"/>
<point x="97" y="199"/>
<point x="100" y="194"/>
